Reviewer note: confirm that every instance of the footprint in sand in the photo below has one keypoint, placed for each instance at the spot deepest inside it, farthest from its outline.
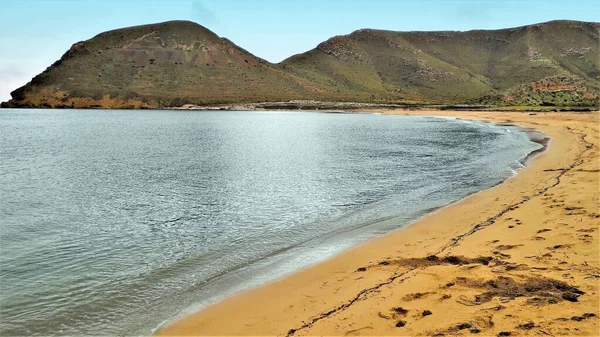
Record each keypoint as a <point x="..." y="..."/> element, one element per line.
<point x="416" y="296"/>
<point x="507" y="247"/>
<point x="357" y="332"/>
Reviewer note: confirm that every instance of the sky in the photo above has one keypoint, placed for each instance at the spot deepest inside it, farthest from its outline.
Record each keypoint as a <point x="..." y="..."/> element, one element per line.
<point x="35" y="33"/>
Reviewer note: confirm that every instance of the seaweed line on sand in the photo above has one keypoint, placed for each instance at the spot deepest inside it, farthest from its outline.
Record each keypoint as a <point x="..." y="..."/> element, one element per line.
<point x="490" y="221"/>
<point x="356" y="298"/>
<point x="454" y="241"/>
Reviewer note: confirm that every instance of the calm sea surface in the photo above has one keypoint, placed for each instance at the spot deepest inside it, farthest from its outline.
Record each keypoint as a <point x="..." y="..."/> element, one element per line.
<point x="112" y="222"/>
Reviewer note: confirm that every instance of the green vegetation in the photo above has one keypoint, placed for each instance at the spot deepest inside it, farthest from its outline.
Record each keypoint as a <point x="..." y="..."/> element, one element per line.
<point x="175" y="63"/>
<point x="557" y="91"/>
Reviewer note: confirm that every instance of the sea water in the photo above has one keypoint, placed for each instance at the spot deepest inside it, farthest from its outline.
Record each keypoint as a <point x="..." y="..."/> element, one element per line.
<point x="112" y="222"/>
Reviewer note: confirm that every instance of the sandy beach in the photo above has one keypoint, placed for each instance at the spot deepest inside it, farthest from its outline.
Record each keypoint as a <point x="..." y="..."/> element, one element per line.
<point x="521" y="258"/>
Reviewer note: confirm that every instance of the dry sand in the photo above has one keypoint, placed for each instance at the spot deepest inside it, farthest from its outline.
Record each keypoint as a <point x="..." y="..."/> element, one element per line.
<point x="520" y="258"/>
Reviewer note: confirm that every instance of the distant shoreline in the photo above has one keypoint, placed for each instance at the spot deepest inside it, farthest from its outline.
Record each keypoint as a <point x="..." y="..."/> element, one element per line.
<point x="313" y="105"/>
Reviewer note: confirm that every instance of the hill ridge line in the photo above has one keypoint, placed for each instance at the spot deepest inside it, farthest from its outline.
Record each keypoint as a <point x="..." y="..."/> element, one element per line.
<point x="174" y="63"/>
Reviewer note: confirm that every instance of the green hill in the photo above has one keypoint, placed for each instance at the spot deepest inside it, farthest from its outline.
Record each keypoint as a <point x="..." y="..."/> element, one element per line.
<point x="451" y="67"/>
<point x="180" y="62"/>
<point x="166" y="64"/>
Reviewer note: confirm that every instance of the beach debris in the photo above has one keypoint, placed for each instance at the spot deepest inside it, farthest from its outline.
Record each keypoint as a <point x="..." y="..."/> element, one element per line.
<point x="475" y="326"/>
<point x="541" y="290"/>
<point x="463" y="326"/>
<point x="544" y="230"/>
<point x="507" y="247"/>
<point x="483" y="322"/>
<point x="464" y="300"/>
<point x="526" y="326"/>
<point x="433" y="260"/>
<point x="426" y="313"/>
<point x="450" y="284"/>
<point x="571" y="297"/>
<point x="415" y="296"/>
<point x="400" y="324"/>
<point x="446" y="296"/>
<point x="504" y="333"/>
<point x="501" y="255"/>
<point x="582" y="317"/>
<point x="515" y="266"/>
<point x="399" y="277"/>
<point x="399" y="311"/>
<point x="380" y="314"/>
<point x="542" y="301"/>
<point x="361" y="269"/>
<point x="496" y="308"/>
<point x="560" y="246"/>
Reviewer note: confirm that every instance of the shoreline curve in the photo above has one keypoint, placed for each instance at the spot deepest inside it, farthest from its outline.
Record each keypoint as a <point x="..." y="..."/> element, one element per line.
<point x="289" y="306"/>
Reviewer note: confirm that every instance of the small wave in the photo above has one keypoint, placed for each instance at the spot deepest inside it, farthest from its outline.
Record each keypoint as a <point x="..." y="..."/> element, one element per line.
<point x="160" y="325"/>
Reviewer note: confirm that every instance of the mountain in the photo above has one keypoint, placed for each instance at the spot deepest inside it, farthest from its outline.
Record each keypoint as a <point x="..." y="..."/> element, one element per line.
<point x="165" y="64"/>
<point x="451" y="67"/>
<point x="179" y="62"/>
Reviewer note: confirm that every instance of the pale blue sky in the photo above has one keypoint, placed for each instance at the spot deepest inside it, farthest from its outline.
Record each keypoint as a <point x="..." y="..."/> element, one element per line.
<point x="35" y="33"/>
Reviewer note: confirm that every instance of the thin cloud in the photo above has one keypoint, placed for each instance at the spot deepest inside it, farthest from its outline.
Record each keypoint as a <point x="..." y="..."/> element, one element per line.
<point x="202" y="13"/>
<point x="11" y="78"/>
<point x="477" y="11"/>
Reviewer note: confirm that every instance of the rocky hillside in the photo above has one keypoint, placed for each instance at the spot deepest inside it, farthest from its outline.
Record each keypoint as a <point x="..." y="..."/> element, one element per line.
<point x="180" y="62"/>
<point x="158" y="65"/>
<point x="552" y="91"/>
<point x="451" y="67"/>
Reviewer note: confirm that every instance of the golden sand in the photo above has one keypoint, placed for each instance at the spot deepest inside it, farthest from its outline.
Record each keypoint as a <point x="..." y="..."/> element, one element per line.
<point x="520" y="258"/>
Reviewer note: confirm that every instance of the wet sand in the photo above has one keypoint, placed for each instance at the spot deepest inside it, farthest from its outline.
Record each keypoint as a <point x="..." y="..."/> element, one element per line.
<point x="521" y="258"/>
